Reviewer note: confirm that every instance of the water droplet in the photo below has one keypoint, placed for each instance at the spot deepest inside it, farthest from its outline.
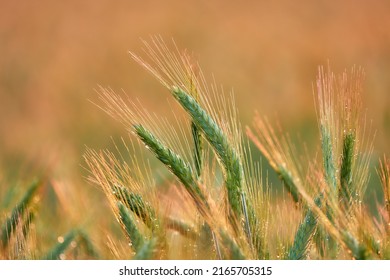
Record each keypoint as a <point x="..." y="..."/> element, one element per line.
<point x="60" y="239"/>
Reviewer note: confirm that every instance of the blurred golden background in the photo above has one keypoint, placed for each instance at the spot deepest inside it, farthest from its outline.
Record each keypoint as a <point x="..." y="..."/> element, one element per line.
<point x="54" y="54"/>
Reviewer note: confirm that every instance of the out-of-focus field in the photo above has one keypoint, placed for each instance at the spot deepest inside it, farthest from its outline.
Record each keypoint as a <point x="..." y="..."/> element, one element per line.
<point x="54" y="54"/>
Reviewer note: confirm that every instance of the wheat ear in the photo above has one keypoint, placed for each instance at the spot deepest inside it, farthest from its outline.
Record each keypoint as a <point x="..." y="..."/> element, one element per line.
<point x="175" y="163"/>
<point x="214" y="135"/>
<point x="131" y="229"/>
<point x="11" y="223"/>
<point x="59" y="248"/>
<point x="137" y="205"/>
<point x="147" y="250"/>
<point x="304" y="234"/>
<point x="328" y="157"/>
<point x="358" y="250"/>
<point x="345" y="192"/>
<point x="198" y="157"/>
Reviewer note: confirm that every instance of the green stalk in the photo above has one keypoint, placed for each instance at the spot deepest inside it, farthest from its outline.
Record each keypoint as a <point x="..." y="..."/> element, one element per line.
<point x="288" y="181"/>
<point x="182" y="228"/>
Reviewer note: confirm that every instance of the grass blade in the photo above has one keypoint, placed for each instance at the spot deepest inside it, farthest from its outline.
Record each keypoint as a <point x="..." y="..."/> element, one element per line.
<point x="289" y="183"/>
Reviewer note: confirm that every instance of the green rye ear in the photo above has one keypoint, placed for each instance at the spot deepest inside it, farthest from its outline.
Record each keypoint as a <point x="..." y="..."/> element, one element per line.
<point x="17" y="214"/>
